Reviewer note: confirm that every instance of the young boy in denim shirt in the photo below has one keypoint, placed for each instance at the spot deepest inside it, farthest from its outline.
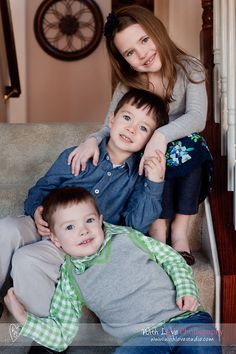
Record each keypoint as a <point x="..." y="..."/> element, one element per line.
<point x="140" y="289"/>
<point x="124" y="198"/>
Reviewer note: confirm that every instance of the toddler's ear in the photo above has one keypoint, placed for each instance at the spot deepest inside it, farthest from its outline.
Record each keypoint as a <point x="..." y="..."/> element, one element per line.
<point x="101" y="219"/>
<point x="111" y="119"/>
<point x="54" y="239"/>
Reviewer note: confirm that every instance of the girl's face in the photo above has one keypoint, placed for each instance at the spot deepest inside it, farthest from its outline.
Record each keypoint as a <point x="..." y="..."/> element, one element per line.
<point x="138" y="49"/>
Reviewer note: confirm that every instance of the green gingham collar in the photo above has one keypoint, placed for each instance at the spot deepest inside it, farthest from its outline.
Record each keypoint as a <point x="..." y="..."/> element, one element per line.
<point x="110" y="230"/>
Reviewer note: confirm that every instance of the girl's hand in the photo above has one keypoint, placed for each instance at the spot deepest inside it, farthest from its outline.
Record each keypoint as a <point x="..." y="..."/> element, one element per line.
<point x="41" y="224"/>
<point x="156" y="143"/>
<point x="187" y="303"/>
<point x="79" y="156"/>
<point x="154" y="167"/>
<point x="15" y="307"/>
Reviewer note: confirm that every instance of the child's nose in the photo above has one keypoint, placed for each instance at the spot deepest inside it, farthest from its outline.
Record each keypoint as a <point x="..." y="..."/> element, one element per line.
<point x="131" y="128"/>
<point x="141" y="53"/>
<point x="83" y="232"/>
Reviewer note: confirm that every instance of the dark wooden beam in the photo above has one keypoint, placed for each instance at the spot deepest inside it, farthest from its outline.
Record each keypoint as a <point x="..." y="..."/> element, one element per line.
<point x="14" y="89"/>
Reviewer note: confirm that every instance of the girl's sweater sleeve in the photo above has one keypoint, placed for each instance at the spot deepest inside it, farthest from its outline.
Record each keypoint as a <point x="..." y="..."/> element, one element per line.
<point x="190" y="106"/>
<point x="192" y="103"/>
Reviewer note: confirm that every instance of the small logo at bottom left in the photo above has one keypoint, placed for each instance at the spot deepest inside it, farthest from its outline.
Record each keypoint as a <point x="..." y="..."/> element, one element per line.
<point x="14" y="331"/>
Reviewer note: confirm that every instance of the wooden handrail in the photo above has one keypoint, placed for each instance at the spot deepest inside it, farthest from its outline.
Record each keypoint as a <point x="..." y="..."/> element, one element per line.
<point x="14" y="89"/>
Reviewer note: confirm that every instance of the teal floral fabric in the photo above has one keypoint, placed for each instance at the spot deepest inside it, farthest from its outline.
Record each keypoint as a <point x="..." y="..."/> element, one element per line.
<point x="186" y="154"/>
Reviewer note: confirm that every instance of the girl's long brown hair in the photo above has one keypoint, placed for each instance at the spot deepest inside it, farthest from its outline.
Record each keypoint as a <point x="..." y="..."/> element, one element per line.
<point x="170" y="53"/>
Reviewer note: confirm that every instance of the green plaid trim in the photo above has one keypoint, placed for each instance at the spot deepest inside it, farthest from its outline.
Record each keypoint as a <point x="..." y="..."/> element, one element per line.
<point x="58" y="330"/>
<point x="171" y="261"/>
<point x="102" y="255"/>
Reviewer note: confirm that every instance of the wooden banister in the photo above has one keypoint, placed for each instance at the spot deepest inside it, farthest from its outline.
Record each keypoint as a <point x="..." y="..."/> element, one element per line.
<point x="12" y="90"/>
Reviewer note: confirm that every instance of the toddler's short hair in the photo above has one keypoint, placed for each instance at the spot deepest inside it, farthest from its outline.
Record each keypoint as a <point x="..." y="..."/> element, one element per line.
<point x="146" y="99"/>
<point x="63" y="197"/>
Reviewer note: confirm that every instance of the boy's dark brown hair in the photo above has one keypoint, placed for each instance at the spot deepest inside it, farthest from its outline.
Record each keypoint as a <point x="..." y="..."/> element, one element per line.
<point x="146" y="99"/>
<point x="63" y="197"/>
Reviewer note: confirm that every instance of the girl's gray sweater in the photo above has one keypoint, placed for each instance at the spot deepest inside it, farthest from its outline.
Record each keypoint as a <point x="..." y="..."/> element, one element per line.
<point x="188" y="110"/>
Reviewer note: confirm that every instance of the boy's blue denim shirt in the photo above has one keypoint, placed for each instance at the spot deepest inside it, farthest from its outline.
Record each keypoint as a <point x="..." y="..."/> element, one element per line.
<point x="123" y="197"/>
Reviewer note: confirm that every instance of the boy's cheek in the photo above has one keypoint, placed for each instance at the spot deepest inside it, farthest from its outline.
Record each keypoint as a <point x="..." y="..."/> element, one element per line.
<point x="146" y="140"/>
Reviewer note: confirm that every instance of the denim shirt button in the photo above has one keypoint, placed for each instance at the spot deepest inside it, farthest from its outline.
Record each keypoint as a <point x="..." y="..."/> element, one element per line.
<point x="145" y="184"/>
<point x="109" y="173"/>
<point x="96" y="191"/>
<point x="107" y="157"/>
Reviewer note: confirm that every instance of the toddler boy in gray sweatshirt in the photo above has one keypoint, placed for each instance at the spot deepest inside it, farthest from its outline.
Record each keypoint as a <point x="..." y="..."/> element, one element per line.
<point x="133" y="283"/>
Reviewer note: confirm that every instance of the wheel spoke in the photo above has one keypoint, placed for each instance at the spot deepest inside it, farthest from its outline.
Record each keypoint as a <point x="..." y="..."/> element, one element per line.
<point x="90" y="24"/>
<point x="68" y="6"/>
<point x="55" y="40"/>
<point x="54" y="11"/>
<point x="49" y="25"/>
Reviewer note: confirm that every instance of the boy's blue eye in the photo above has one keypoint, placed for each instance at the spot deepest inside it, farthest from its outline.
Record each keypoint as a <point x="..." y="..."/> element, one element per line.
<point x="69" y="227"/>
<point x="126" y="117"/>
<point x="90" y="220"/>
<point x="143" y="128"/>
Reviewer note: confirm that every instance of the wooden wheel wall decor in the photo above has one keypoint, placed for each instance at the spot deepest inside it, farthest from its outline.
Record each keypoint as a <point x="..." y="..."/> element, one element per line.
<point x="149" y="4"/>
<point x="68" y="29"/>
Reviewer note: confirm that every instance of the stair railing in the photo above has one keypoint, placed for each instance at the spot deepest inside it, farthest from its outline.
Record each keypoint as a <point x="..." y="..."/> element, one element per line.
<point x="13" y="89"/>
<point x="224" y="50"/>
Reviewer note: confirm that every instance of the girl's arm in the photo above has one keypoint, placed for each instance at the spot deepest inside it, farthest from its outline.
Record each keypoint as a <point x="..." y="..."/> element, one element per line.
<point x="89" y="149"/>
<point x="193" y="105"/>
<point x="194" y="118"/>
<point x="188" y="111"/>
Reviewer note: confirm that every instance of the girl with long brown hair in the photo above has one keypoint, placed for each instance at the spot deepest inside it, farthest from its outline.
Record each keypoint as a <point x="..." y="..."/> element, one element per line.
<point x="142" y="55"/>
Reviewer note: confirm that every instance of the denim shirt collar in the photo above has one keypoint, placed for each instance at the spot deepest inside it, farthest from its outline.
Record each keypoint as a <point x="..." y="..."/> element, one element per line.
<point x="132" y="162"/>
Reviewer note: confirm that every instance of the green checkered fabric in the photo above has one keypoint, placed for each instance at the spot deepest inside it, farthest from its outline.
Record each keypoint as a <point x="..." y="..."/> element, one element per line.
<point x="171" y="261"/>
<point x="58" y="330"/>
